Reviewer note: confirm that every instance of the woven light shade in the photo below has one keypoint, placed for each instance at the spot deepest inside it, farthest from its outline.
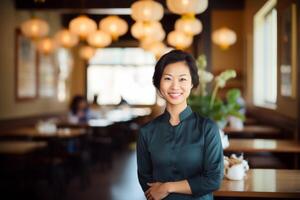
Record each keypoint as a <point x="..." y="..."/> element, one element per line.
<point x="179" y="40"/>
<point x="114" y="25"/>
<point x="145" y="43"/>
<point x="189" y="25"/>
<point x="157" y="48"/>
<point x="86" y="52"/>
<point x="35" y="28"/>
<point x="99" y="39"/>
<point x="147" y="10"/>
<point x="141" y="30"/>
<point x="224" y="37"/>
<point x="66" y="38"/>
<point x="182" y="7"/>
<point x="82" y="26"/>
<point x="46" y="46"/>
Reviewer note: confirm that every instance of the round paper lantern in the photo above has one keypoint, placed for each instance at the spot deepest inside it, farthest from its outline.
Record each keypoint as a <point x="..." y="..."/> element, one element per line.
<point x="153" y="29"/>
<point x="99" y="39"/>
<point x="189" y="25"/>
<point x="66" y="38"/>
<point x="145" y="43"/>
<point x="46" y="45"/>
<point x="82" y="26"/>
<point x="114" y="25"/>
<point x="182" y="7"/>
<point x="157" y="48"/>
<point x="86" y="52"/>
<point x="35" y="28"/>
<point x="179" y="40"/>
<point x="147" y="10"/>
<point x="224" y="37"/>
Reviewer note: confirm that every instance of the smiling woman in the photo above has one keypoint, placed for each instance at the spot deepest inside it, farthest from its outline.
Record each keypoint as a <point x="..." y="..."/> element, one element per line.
<point x="179" y="154"/>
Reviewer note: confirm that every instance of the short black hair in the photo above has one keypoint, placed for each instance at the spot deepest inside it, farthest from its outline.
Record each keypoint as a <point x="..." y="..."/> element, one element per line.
<point x="173" y="57"/>
<point x="75" y="103"/>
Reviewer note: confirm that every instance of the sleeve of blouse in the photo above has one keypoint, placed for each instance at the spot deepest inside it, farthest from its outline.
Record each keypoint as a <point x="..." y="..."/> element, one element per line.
<point x="144" y="163"/>
<point x="211" y="178"/>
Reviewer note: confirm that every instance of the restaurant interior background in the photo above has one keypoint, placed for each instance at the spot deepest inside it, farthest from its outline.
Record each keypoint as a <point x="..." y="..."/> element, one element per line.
<point x="45" y="156"/>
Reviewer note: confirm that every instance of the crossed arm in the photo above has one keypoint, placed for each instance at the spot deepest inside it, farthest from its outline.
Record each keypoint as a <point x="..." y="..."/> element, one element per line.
<point x="161" y="190"/>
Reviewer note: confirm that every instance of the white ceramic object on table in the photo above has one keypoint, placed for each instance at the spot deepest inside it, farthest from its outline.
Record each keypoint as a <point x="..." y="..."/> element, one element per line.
<point x="235" y="172"/>
<point x="235" y="167"/>
<point x="236" y="123"/>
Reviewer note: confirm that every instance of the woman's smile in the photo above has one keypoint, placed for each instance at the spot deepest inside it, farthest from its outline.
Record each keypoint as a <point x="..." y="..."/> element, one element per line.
<point x="175" y="95"/>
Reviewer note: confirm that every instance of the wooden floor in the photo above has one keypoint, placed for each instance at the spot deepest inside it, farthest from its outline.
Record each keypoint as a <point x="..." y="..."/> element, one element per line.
<point x="118" y="183"/>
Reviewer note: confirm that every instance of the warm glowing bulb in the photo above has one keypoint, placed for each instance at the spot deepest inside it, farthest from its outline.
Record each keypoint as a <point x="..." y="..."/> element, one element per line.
<point x="46" y="46"/>
<point x="147" y="10"/>
<point x="224" y="37"/>
<point x="99" y="39"/>
<point x="114" y="25"/>
<point x="35" y="28"/>
<point x="82" y="26"/>
<point x="66" y="38"/>
<point x="185" y="2"/>
<point x="86" y="52"/>
<point x="179" y="39"/>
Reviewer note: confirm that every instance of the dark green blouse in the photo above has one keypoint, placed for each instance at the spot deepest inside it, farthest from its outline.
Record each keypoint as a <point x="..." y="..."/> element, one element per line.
<point x="191" y="150"/>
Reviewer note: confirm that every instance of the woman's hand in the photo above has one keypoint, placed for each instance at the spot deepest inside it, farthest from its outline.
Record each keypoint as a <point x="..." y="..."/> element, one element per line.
<point x="157" y="191"/>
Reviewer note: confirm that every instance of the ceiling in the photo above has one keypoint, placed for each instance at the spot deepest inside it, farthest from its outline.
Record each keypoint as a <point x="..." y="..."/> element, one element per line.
<point x="98" y="9"/>
<point x="89" y="4"/>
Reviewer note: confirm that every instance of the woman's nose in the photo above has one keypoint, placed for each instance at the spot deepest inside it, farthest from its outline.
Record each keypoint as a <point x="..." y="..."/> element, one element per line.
<point x="175" y="84"/>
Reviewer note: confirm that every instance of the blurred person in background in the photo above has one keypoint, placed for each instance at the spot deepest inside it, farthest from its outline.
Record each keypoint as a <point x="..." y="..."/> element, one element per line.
<point x="79" y="110"/>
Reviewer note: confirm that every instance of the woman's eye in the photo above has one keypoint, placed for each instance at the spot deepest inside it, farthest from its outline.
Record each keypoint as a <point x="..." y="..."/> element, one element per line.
<point x="182" y="79"/>
<point x="167" y="78"/>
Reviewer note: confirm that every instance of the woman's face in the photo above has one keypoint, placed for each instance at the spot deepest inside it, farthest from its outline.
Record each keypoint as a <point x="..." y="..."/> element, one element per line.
<point x="176" y="83"/>
<point x="82" y="105"/>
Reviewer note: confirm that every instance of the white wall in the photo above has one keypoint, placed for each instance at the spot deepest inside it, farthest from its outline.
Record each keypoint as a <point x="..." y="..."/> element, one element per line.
<point x="9" y="108"/>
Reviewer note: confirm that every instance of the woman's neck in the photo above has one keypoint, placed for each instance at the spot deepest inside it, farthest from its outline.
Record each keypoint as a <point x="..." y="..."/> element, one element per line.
<point x="174" y="111"/>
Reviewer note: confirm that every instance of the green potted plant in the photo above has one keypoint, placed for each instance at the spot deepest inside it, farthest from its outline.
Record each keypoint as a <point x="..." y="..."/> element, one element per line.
<point x="209" y="104"/>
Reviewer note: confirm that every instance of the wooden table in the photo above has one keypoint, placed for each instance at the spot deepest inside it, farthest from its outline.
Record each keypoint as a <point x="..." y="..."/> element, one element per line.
<point x="126" y="114"/>
<point x="263" y="148"/>
<point x="263" y="183"/>
<point x="111" y="117"/>
<point x="33" y="133"/>
<point x="20" y="147"/>
<point x="250" y="121"/>
<point x="263" y="145"/>
<point x="93" y="123"/>
<point x="253" y="131"/>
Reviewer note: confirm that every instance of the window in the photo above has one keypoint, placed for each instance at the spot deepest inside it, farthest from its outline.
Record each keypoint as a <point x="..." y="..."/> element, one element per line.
<point x="115" y="73"/>
<point x="265" y="56"/>
<point x="65" y="63"/>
